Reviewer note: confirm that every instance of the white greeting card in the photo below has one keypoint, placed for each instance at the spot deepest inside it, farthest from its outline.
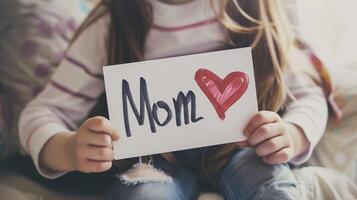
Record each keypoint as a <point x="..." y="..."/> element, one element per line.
<point x="180" y="103"/>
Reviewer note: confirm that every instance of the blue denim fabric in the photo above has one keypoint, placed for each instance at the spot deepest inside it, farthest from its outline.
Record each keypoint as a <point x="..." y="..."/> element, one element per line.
<point x="244" y="177"/>
<point x="247" y="177"/>
<point x="184" y="185"/>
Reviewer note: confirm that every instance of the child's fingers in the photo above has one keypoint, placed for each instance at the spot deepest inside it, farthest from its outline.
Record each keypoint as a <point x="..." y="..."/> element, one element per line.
<point x="260" y="119"/>
<point x="92" y="166"/>
<point x="272" y="145"/>
<point x="115" y="135"/>
<point x="265" y="132"/>
<point x="102" y="125"/>
<point x="98" y="124"/>
<point x="99" y="153"/>
<point x="243" y="143"/>
<point x="282" y="156"/>
<point x="98" y="139"/>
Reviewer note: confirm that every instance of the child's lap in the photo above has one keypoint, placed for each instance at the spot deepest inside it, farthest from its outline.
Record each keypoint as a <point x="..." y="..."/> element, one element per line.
<point x="245" y="172"/>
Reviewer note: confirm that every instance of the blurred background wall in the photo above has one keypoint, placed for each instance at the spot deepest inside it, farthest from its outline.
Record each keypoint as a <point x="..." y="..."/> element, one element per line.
<point x="330" y="26"/>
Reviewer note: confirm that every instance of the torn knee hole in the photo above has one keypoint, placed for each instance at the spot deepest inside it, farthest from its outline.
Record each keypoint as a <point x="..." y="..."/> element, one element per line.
<point x="144" y="173"/>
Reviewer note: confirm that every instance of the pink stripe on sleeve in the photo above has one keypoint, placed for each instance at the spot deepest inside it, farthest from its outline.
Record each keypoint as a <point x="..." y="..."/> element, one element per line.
<point x="84" y="67"/>
<point x="68" y="91"/>
<point x="185" y="27"/>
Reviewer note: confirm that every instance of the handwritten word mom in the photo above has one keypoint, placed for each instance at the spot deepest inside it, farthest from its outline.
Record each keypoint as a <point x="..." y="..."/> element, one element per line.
<point x="181" y="103"/>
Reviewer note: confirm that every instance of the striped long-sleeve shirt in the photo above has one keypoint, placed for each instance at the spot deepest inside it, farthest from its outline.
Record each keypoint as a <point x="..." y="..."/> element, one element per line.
<point x="178" y="29"/>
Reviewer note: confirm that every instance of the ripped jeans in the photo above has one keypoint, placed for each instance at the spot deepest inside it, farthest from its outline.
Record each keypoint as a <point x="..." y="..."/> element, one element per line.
<point x="244" y="177"/>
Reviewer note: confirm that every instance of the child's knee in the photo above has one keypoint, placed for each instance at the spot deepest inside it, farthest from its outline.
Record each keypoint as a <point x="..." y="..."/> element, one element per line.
<point x="144" y="191"/>
<point x="248" y="165"/>
<point x="145" y="182"/>
<point x="247" y="175"/>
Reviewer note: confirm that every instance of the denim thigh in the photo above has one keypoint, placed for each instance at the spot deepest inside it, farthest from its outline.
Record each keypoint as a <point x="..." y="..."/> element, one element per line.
<point x="246" y="176"/>
<point x="184" y="185"/>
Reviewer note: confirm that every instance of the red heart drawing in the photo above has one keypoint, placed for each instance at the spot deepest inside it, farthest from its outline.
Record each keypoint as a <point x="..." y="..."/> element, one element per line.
<point x="222" y="93"/>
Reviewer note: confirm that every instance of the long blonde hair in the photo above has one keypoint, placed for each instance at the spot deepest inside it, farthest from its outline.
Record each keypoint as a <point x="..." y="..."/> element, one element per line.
<point x="264" y="26"/>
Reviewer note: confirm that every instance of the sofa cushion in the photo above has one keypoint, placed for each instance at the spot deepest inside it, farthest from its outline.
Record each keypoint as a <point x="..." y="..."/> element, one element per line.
<point x="34" y="36"/>
<point x="338" y="147"/>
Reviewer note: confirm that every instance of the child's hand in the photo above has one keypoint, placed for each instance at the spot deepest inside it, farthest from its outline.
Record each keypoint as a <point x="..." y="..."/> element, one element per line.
<point x="274" y="139"/>
<point x="92" y="148"/>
